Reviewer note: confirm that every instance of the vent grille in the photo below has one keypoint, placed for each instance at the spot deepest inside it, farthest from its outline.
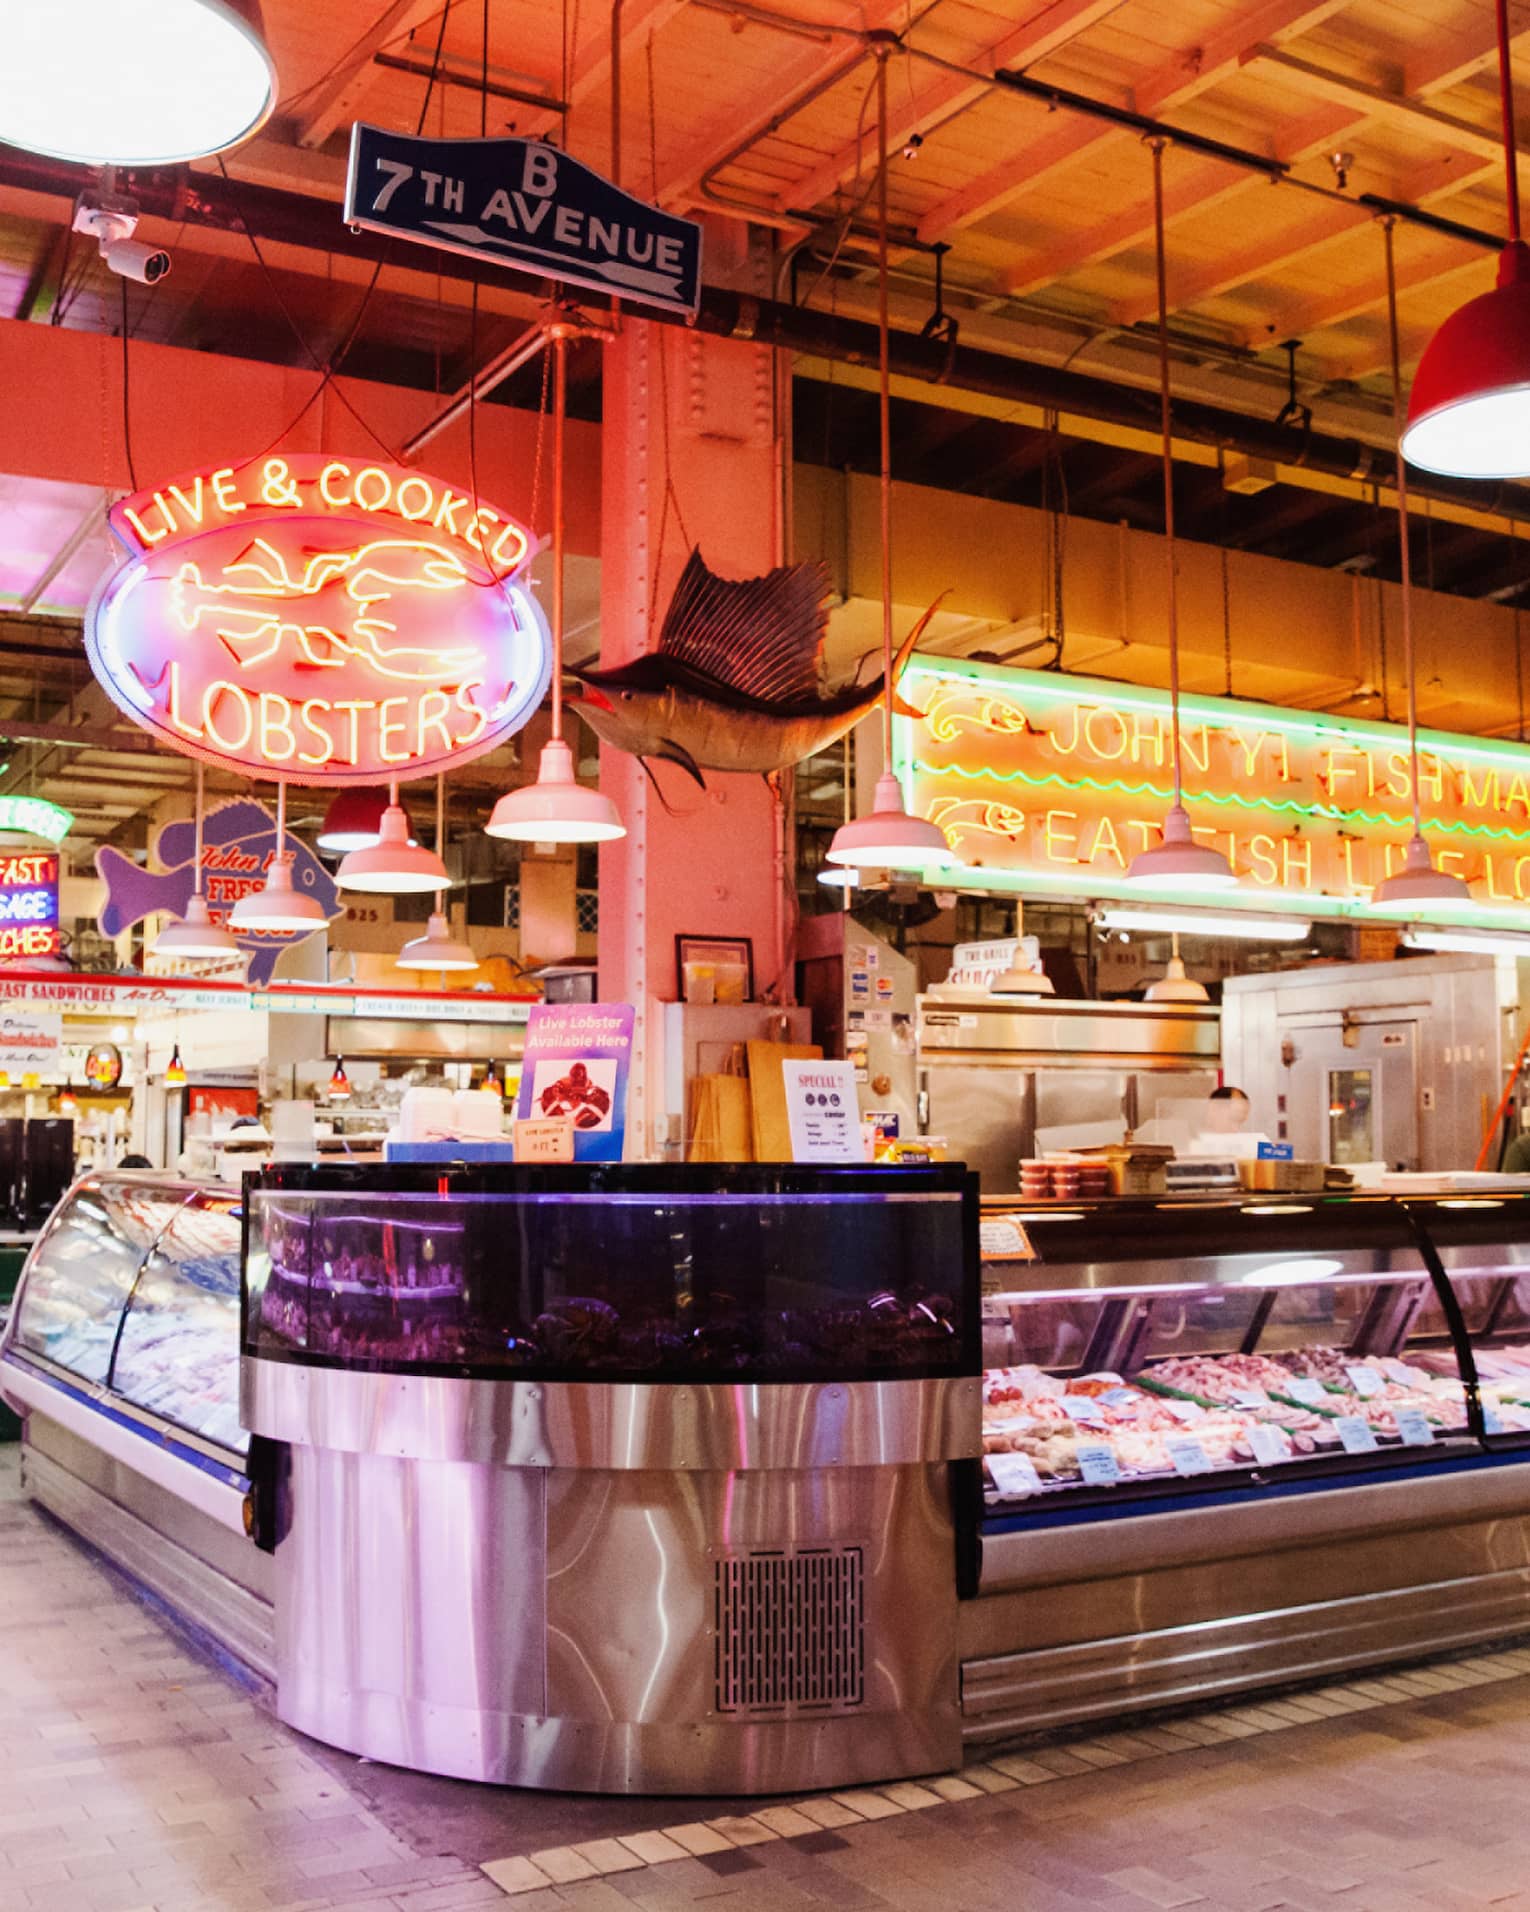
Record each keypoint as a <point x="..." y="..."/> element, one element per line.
<point x="791" y="1630"/>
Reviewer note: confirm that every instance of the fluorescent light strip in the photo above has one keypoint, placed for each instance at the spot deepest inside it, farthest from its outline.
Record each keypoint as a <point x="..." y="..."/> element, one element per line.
<point x="1188" y="922"/>
<point x="1470" y="942"/>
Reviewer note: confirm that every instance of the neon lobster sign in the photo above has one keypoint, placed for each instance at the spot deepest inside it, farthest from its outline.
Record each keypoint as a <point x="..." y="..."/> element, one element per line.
<point x="320" y="619"/>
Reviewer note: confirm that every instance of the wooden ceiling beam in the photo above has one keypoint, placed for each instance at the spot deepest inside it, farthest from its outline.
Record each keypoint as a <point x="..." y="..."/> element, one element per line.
<point x="1270" y="257"/>
<point x="799" y="76"/>
<point x="337" y="98"/>
<point x="1049" y="29"/>
<point x="1184" y="78"/>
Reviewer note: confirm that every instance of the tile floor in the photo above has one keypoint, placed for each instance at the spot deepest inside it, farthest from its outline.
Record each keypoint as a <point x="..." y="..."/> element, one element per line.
<point x="137" y="1777"/>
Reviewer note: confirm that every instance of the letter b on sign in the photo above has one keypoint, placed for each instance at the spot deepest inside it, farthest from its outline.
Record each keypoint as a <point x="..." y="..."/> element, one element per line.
<point x="541" y="174"/>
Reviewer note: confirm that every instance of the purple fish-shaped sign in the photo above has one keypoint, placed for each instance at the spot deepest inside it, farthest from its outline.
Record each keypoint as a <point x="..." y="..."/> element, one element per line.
<point x="238" y="847"/>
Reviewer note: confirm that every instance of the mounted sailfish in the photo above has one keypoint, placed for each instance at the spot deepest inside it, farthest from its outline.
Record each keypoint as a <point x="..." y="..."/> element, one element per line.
<point x="734" y="684"/>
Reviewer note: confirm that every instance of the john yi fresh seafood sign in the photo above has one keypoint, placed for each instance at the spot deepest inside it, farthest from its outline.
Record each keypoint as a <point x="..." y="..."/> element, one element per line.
<point x="320" y="619"/>
<point x="1052" y="784"/>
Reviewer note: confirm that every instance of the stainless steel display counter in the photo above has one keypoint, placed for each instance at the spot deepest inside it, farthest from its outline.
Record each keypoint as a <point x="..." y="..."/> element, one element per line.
<point x="620" y="1479"/>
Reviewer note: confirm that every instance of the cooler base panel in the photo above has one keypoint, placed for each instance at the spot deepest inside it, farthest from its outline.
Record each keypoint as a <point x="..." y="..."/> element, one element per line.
<point x="1212" y="1602"/>
<point x="707" y="1633"/>
<point x="205" y="1572"/>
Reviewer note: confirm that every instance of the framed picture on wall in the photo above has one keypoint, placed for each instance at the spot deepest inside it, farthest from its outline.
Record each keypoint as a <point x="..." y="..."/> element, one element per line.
<point x="714" y="969"/>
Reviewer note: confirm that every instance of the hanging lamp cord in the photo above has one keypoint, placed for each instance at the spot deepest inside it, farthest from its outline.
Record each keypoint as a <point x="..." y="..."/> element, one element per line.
<point x="1166" y="421"/>
<point x="1506" y="107"/>
<point x="884" y="412"/>
<point x="1404" y="560"/>
<point x="560" y="414"/>
<point x="196" y="884"/>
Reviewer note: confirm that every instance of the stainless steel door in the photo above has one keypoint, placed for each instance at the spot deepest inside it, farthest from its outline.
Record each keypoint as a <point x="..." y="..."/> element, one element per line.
<point x="1353" y="1094"/>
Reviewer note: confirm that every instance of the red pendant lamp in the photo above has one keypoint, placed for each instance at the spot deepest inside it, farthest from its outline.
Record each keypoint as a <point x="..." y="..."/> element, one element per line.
<point x="1469" y="412"/>
<point x="339" y="1082"/>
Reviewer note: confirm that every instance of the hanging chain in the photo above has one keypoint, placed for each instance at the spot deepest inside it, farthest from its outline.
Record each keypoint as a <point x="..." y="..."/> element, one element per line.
<point x="1405" y="563"/>
<point x="1167" y="422"/>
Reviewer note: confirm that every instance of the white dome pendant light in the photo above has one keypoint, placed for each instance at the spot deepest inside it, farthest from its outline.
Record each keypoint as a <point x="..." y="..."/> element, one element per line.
<point x="437" y="948"/>
<point x="1176" y="984"/>
<point x="557" y="808"/>
<point x="196" y="937"/>
<point x="1418" y="881"/>
<point x="1178" y="862"/>
<point x="133" y="82"/>
<point x="276" y="905"/>
<point x="393" y="866"/>
<point x="889" y="838"/>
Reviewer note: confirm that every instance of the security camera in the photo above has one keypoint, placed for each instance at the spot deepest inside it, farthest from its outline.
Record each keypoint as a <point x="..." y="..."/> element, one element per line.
<point x="131" y="259"/>
<point x="111" y="221"/>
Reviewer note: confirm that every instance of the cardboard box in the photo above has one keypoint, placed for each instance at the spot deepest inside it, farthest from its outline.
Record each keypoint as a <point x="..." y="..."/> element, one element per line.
<point x="1283" y="1178"/>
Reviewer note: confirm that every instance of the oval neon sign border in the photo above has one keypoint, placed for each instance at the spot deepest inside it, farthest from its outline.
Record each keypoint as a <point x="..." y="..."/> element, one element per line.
<point x="292" y="521"/>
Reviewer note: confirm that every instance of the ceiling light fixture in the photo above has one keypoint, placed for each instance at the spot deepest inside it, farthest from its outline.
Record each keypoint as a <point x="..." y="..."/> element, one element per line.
<point x="889" y="838"/>
<point x="196" y="937"/>
<point x="557" y="808"/>
<point x="437" y="948"/>
<point x="175" y="1070"/>
<point x="1418" y="881"/>
<point x="393" y="866"/>
<point x="276" y="905"/>
<point x="1466" y="942"/>
<point x="1469" y="413"/>
<point x="1178" y="859"/>
<point x="339" y="1089"/>
<point x="134" y="82"/>
<point x="1176" y="984"/>
<point x="353" y="820"/>
<point x="1245" y="925"/>
<point x="1022" y="982"/>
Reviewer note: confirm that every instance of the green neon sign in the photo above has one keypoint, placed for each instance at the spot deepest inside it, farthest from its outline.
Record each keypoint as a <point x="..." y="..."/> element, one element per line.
<point x="1050" y="785"/>
<point x="35" y="816"/>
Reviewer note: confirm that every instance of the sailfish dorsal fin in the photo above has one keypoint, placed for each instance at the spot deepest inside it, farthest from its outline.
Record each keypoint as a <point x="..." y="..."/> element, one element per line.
<point x="760" y="636"/>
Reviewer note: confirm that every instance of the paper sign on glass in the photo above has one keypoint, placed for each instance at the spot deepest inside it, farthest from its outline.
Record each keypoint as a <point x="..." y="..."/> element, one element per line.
<point x="823" y="1115"/>
<point x="574" y="1069"/>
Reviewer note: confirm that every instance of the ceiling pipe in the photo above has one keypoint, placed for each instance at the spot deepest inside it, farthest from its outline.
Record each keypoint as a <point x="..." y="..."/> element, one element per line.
<point x="301" y="220"/>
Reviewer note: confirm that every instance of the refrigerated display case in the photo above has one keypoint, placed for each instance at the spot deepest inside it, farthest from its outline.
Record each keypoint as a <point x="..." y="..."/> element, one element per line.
<point x="122" y="1356"/>
<point x="1235" y="1441"/>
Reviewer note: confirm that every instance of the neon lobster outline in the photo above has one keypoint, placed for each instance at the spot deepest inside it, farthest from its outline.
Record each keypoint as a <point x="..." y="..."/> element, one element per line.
<point x="320" y="645"/>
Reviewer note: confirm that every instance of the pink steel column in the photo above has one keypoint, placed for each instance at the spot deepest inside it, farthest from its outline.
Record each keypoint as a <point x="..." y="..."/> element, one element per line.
<point x="710" y="869"/>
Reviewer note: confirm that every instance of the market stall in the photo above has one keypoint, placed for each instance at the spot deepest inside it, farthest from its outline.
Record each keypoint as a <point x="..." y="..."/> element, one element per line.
<point x="668" y="1479"/>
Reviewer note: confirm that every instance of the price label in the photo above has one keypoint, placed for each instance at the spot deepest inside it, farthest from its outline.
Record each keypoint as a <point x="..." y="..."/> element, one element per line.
<point x="1119" y="1397"/>
<point x="1268" y="1444"/>
<point x="1186" y="1411"/>
<point x="1413" y="1427"/>
<point x="1187" y="1454"/>
<point x="1355" y="1433"/>
<point x="1082" y="1407"/>
<point x="1014" y="1475"/>
<point x="1305" y="1390"/>
<point x="544" y="1140"/>
<point x="1098" y="1464"/>
<point x="1003" y="1238"/>
<point x="1250" y="1397"/>
<point x="1364" y="1380"/>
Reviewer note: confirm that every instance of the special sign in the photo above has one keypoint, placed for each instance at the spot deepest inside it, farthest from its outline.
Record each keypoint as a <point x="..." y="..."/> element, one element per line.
<point x="1053" y="784"/>
<point x="321" y="619"/>
<point x="28" y="904"/>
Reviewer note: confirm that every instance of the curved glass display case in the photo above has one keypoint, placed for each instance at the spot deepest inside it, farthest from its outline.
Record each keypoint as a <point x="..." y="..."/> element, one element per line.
<point x="133" y="1290"/>
<point x="619" y="1273"/>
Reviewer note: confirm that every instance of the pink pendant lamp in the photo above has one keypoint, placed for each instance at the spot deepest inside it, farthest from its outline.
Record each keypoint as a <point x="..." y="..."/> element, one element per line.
<point x="437" y="949"/>
<point x="277" y="905"/>
<point x="196" y="937"/>
<point x="557" y="808"/>
<point x="393" y="866"/>
<point x="1469" y="413"/>
<point x="1178" y="861"/>
<point x="1418" y="883"/>
<point x="889" y="838"/>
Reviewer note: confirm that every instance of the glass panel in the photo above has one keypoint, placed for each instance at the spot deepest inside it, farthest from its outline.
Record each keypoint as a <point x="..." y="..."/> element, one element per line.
<point x="1210" y="1321"/>
<point x="179" y="1352"/>
<point x="1351" y="1113"/>
<point x="761" y="1283"/>
<point x="82" y="1269"/>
